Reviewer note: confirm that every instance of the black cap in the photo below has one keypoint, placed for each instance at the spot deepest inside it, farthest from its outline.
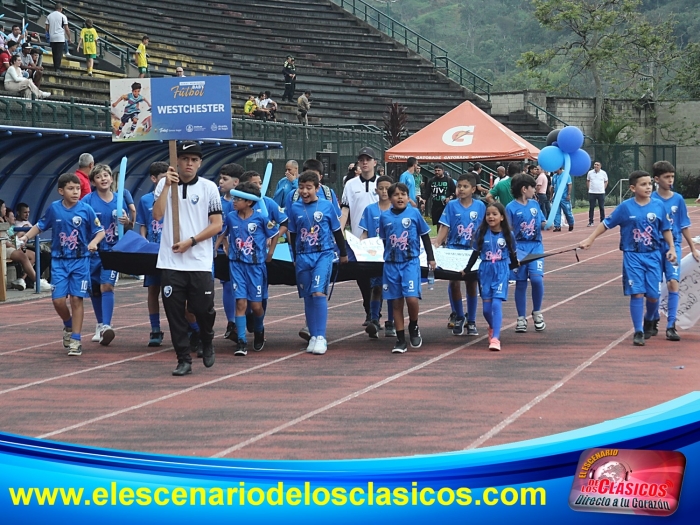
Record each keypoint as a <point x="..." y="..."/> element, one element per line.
<point x="189" y="147"/>
<point x="368" y="152"/>
<point x="26" y="45"/>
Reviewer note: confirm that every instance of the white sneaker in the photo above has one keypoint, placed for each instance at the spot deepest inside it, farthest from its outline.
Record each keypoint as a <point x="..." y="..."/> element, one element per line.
<point x="696" y="240"/>
<point x="45" y="286"/>
<point x="538" y="318"/>
<point x="19" y="284"/>
<point x="98" y="331"/>
<point x="321" y="345"/>
<point x="106" y="335"/>
<point x="521" y="325"/>
<point x="312" y="345"/>
<point x="45" y="94"/>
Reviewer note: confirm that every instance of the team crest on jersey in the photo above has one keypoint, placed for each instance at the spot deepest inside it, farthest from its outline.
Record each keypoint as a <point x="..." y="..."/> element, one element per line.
<point x="97" y="222"/>
<point x="385" y="287"/>
<point x="194" y="199"/>
<point x="318" y="216"/>
<point x="77" y="221"/>
<point x="406" y="222"/>
<point x="501" y="242"/>
<point x="114" y="214"/>
<point x="235" y="285"/>
<point x="271" y="224"/>
<point x="252" y="227"/>
<point x="533" y="211"/>
<point x="651" y="217"/>
<point x="473" y="215"/>
<point x="674" y="209"/>
<point x="167" y="291"/>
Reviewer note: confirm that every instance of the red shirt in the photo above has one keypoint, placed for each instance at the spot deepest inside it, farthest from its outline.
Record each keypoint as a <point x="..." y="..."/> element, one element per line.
<point x="84" y="183"/>
<point x="4" y="58"/>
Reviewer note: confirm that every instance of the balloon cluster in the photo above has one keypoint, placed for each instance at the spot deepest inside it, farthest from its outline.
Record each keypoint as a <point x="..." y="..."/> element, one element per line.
<point x="561" y="142"/>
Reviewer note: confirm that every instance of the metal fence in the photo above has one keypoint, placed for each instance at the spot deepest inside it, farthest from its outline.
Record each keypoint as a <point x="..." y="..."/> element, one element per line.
<point x="15" y="111"/>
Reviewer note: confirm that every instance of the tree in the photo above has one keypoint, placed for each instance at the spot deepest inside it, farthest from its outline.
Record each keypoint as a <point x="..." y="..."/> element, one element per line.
<point x="688" y="77"/>
<point x="607" y="42"/>
<point x="395" y="123"/>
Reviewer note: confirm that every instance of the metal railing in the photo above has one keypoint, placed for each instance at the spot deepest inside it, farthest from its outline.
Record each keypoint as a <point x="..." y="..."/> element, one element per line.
<point x="54" y="114"/>
<point x="415" y="42"/>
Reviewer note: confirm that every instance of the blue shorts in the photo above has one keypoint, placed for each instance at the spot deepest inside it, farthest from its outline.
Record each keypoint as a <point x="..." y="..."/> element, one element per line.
<point x="493" y="280"/>
<point x="672" y="272"/>
<point x="248" y="280"/>
<point x="641" y="273"/>
<point x="401" y="279"/>
<point x="314" y="272"/>
<point x="98" y="275"/>
<point x="522" y="273"/>
<point x="70" y="277"/>
<point x="151" y="280"/>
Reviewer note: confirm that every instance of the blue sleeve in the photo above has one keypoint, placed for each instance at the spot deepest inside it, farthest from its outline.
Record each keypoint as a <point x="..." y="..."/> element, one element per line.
<point x="617" y="217"/>
<point x="46" y="222"/>
<point x="683" y="215"/>
<point x="269" y="232"/>
<point x="381" y="226"/>
<point x="333" y="218"/>
<point x="422" y="226"/>
<point x="141" y="213"/>
<point x="336" y="206"/>
<point x="446" y="217"/>
<point x="281" y="215"/>
<point x="291" y="224"/>
<point x="94" y="229"/>
<point x="665" y="222"/>
<point x="288" y="202"/>
<point x="128" y="198"/>
<point x="365" y="219"/>
<point x="279" y="194"/>
<point x="515" y="228"/>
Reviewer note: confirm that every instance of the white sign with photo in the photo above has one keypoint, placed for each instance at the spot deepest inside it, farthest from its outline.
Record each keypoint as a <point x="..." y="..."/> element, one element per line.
<point x="688" y="294"/>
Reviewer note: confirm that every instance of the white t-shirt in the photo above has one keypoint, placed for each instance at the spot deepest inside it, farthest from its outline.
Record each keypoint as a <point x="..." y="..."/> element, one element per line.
<point x="56" y="22"/>
<point x="597" y="181"/>
<point x="198" y="200"/>
<point x="357" y="195"/>
<point x="542" y="182"/>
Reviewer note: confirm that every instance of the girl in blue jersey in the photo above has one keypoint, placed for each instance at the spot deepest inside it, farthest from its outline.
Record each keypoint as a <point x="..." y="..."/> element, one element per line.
<point x="527" y="220"/>
<point x="495" y="246"/>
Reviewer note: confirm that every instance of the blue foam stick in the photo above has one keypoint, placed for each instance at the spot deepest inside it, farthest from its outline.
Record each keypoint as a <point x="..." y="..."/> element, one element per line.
<point x="120" y="195"/>
<point x="561" y="188"/>
<point x="266" y="179"/>
<point x="249" y="197"/>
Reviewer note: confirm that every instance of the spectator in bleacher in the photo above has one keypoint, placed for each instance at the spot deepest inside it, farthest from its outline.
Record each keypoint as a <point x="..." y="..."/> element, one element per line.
<point x="303" y="108"/>
<point x="25" y="258"/>
<point x="22" y="216"/>
<point x="288" y="183"/>
<point x="88" y="41"/>
<point x="251" y="109"/>
<point x="180" y="71"/>
<point x="29" y="68"/>
<point x="17" y="35"/>
<point x="269" y="105"/>
<point x="141" y="57"/>
<point x="290" y="79"/>
<point x="14" y="81"/>
<point x="5" y="56"/>
<point x="85" y="164"/>
<point x="2" y="36"/>
<point x="58" y="34"/>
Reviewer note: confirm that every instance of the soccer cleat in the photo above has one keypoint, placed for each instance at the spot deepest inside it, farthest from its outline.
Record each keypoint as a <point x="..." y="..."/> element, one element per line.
<point x="671" y="333"/>
<point x="557" y="229"/>
<point x="75" y="348"/>
<point x="321" y="346"/>
<point x="305" y="334"/>
<point x="259" y="341"/>
<point x="231" y="332"/>
<point x="208" y="354"/>
<point x="655" y="328"/>
<point x="414" y="336"/>
<point x="372" y="329"/>
<point x="638" y="339"/>
<point x="106" y="335"/>
<point x="368" y="320"/>
<point x="459" y="326"/>
<point x="400" y="347"/>
<point x="196" y="343"/>
<point x="471" y="329"/>
<point x="156" y="339"/>
<point x="494" y="345"/>
<point x="182" y="369"/>
<point x="521" y="325"/>
<point x="67" y="332"/>
<point x="451" y="320"/>
<point x="538" y="320"/>
<point x="648" y="328"/>
<point x="98" y="332"/>
<point x="312" y="344"/>
<point x="571" y="227"/>
<point x="389" y="329"/>
<point x="241" y="348"/>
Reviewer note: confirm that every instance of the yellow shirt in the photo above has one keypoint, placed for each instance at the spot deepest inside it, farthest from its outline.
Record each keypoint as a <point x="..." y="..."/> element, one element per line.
<point x="141" y="60"/>
<point x="249" y="107"/>
<point x="89" y="39"/>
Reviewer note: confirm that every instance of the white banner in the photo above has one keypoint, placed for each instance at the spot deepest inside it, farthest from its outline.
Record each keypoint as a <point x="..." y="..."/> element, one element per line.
<point x="366" y="250"/>
<point x="454" y="260"/>
<point x="688" y="294"/>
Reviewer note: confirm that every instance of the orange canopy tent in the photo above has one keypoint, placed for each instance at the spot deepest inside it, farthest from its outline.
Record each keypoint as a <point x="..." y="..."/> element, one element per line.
<point x="464" y="134"/>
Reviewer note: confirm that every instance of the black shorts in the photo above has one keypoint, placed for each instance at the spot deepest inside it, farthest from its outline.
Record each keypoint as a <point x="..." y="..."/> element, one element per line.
<point x="126" y="117"/>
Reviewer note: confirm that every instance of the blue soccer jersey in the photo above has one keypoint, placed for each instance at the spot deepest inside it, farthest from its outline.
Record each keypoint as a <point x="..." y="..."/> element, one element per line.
<point x="677" y="213"/>
<point x="526" y="221"/>
<point x="494" y="267"/>
<point x="72" y="229"/>
<point x="313" y="224"/>
<point x="401" y="233"/>
<point x="322" y="193"/>
<point x="107" y="213"/>
<point x="370" y="219"/>
<point x="144" y="217"/>
<point x="462" y="222"/>
<point x="132" y="104"/>
<point x="247" y="238"/>
<point x="641" y="227"/>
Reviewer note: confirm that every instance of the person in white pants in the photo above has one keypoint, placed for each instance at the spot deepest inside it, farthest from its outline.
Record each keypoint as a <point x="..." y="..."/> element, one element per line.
<point x="14" y="81"/>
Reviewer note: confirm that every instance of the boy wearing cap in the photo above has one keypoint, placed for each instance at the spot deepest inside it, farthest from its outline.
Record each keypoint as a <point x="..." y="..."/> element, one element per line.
<point x="186" y="276"/>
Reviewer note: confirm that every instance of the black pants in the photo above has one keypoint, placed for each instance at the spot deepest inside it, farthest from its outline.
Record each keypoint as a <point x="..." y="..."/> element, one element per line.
<point x="594" y="198"/>
<point x="289" y="88"/>
<point x="436" y="212"/>
<point x="366" y="291"/>
<point x="57" y="49"/>
<point x="196" y="290"/>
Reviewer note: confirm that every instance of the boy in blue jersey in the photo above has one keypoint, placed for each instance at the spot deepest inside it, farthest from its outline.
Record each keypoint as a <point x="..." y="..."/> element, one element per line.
<point x="400" y="228"/>
<point x="527" y="221"/>
<point x="369" y="224"/>
<point x="314" y="232"/>
<point x="75" y="232"/>
<point x="104" y="202"/>
<point x="151" y="229"/>
<point x="131" y="109"/>
<point x="644" y="226"/>
<point x="462" y="218"/>
<point x="248" y="232"/>
<point x="674" y="204"/>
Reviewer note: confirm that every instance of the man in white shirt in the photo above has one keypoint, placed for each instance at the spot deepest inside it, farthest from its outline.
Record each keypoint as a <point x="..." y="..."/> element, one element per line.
<point x="597" y="182"/>
<point x="59" y="34"/>
<point x="186" y="278"/>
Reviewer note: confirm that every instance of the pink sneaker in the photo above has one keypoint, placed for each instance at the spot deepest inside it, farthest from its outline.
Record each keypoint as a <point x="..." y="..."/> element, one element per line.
<point x="494" y="345"/>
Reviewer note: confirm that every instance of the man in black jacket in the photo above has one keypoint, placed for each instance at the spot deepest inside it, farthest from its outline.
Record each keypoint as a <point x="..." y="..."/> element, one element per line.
<point x="440" y="189"/>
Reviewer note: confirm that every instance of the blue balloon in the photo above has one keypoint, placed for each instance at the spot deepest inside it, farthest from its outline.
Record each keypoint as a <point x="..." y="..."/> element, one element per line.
<point x="550" y="158"/>
<point x="580" y="163"/>
<point x="570" y="139"/>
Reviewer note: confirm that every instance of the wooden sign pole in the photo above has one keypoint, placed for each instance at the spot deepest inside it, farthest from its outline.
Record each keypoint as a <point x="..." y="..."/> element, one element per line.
<point x="174" y="194"/>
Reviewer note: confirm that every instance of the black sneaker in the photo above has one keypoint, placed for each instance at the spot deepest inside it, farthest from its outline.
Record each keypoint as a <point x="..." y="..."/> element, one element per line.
<point x="459" y="326"/>
<point x="231" y="332"/>
<point x="196" y="344"/>
<point x="671" y="333"/>
<point x="368" y="320"/>
<point x="372" y="329"/>
<point x="241" y="349"/>
<point x="655" y="327"/>
<point x="182" y="369"/>
<point x="389" y="329"/>
<point x="208" y="355"/>
<point x="414" y="335"/>
<point x="259" y="341"/>
<point x="648" y="327"/>
<point x="639" y="339"/>
<point x="557" y="229"/>
<point x="471" y="329"/>
<point x="451" y="320"/>
<point x="571" y="227"/>
<point x="399" y="348"/>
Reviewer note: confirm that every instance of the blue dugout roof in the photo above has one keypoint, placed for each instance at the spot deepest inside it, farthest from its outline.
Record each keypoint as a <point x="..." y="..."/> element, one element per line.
<point x="32" y="159"/>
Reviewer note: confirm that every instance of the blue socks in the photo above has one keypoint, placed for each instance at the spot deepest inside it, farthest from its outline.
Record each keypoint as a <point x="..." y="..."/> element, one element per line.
<point x="320" y="309"/>
<point x="488" y="313"/>
<point x="521" y="298"/>
<point x="75" y="336"/>
<point x="68" y="323"/>
<point x="497" y="316"/>
<point x="390" y="310"/>
<point x="375" y="307"/>
<point x="637" y="313"/>
<point x="97" y="306"/>
<point x="229" y="301"/>
<point x="652" y="310"/>
<point x="449" y="295"/>
<point x="672" y="308"/>
<point x="107" y="307"/>
<point x="537" y="291"/>
<point x="195" y="327"/>
<point x="472" y="303"/>
<point x="155" y="322"/>
<point x="240" y="328"/>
